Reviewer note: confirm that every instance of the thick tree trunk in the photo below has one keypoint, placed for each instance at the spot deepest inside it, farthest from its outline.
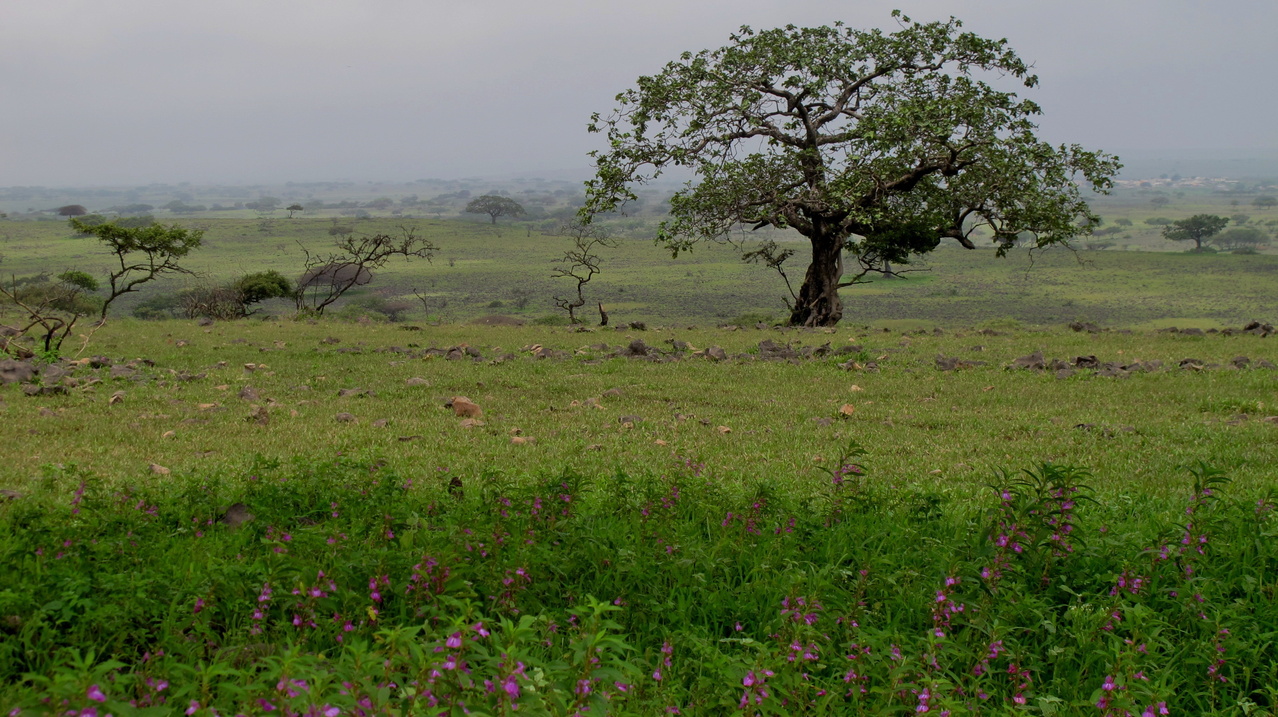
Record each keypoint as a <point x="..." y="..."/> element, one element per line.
<point x="818" y="303"/>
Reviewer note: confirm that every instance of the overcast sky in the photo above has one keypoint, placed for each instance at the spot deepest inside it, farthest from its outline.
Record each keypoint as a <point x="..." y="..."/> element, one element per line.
<point x="125" y="92"/>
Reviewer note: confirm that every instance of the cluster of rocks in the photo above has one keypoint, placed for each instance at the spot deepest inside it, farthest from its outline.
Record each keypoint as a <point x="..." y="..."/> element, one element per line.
<point x="1114" y="369"/>
<point x="1255" y="328"/>
<point x="39" y="379"/>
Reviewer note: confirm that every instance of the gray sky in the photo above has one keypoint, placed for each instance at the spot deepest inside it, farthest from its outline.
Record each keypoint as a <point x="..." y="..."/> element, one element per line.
<point x="139" y="91"/>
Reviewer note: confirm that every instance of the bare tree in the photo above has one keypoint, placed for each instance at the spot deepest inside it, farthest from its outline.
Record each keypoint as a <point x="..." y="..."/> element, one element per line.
<point x="580" y="262"/>
<point x="53" y="307"/>
<point x="328" y="276"/>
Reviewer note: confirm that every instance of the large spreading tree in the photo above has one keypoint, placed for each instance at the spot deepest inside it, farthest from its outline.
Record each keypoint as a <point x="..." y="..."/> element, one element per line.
<point x="872" y="145"/>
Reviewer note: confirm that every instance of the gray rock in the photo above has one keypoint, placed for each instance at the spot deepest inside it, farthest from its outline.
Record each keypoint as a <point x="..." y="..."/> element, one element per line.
<point x="12" y="371"/>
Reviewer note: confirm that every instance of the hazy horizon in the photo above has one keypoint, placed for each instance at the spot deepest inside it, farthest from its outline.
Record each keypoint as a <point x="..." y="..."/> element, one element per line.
<point x="142" y="91"/>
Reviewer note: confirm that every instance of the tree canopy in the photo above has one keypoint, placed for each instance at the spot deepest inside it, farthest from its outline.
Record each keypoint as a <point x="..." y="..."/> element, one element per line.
<point x="495" y="206"/>
<point x="868" y="143"/>
<point x="141" y="253"/>
<point x="1197" y="229"/>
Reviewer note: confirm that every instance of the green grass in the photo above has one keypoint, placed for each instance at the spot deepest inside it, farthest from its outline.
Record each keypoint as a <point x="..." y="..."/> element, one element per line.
<point x="944" y="430"/>
<point x="478" y="264"/>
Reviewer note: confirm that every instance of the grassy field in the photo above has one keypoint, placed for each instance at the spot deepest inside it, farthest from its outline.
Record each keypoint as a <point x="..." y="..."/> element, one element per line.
<point x="478" y="269"/>
<point x="284" y="516"/>
<point x="629" y="536"/>
<point x="942" y="430"/>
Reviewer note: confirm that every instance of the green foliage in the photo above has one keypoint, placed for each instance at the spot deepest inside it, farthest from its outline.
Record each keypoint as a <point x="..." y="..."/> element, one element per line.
<point x="495" y="206"/>
<point x="1236" y="238"/>
<point x="840" y="133"/>
<point x="1197" y="229"/>
<point x="141" y="253"/>
<point x="258" y="287"/>
<point x="79" y="279"/>
<point x="356" y="588"/>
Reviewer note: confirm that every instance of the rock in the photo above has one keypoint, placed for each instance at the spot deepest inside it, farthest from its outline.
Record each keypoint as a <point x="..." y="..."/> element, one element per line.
<point x="417" y="381"/>
<point x="724" y="430"/>
<point x="248" y="393"/>
<point x="204" y="321"/>
<point x="260" y="415"/>
<point x="121" y="372"/>
<point x="1240" y="362"/>
<point x="716" y="353"/>
<point x="99" y="362"/>
<point x="770" y="350"/>
<point x="630" y="419"/>
<point x="847" y="409"/>
<point x="115" y="398"/>
<point x="1086" y="362"/>
<point x="471" y="423"/>
<point x="356" y="392"/>
<point x="1065" y="373"/>
<point x="1191" y="364"/>
<point x="1033" y="362"/>
<point x="1087" y="326"/>
<point x="6" y="494"/>
<point x="638" y="348"/>
<point x="465" y="408"/>
<point x="1261" y="363"/>
<point x="1192" y="332"/>
<point x="344" y="418"/>
<point x="521" y="440"/>
<point x="236" y="515"/>
<point x="612" y="393"/>
<point x="158" y="469"/>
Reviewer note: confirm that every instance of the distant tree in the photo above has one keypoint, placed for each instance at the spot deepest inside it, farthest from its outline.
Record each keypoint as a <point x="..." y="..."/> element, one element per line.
<point x="267" y="204"/>
<point x="873" y="145"/>
<point x="1123" y="222"/>
<point x="1159" y="201"/>
<point x="1197" y="229"/>
<point x="294" y="208"/>
<point x="141" y="254"/>
<point x="72" y="210"/>
<point x="1236" y="238"/>
<point x="1240" y="219"/>
<point x="580" y="262"/>
<point x="328" y="276"/>
<point x="495" y="206"/>
<point x="1265" y="202"/>
<point x="382" y="203"/>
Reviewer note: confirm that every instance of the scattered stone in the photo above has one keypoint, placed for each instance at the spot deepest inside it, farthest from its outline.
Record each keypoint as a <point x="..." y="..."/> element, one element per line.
<point x="612" y="393"/>
<point x="260" y="415"/>
<point x="6" y="494"/>
<point x="823" y="421"/>
<point x="632" y="420"/>
<point x="724" y="430"/>
<point x="1191" y="364"/>
<point x="405" y="439"/>
<point x="953" y="363"/>
<point x="1087" y="326"/>
<point x="638" y="348"/>
<point x="356" y="392"/>
<point x="169" y="434"/>
<point x="235" y="516"/>
<point x="204" y="321"/>
<point x="847" y="409"/>
<point x="716" y="353"/>
<point x="1192" y="332"/>
<point x="248" y="393"/>
<point x="1240" y="362"/>
<point x="1033" y="362"/>
<point x="1262" y="363"/>
<point x="380" y="423"/>
<point x="521" y="440"/>
<point x="158" y="469"/>
<point x="770" y="350"/>
<point x="121" y="372"/>
<point x="417" y="381"/>
<point x="464" y="407"/>
<point x="330" y="340"/>
<point x="115" y="398"/>
<point x="1065" y="373"/>
<point x="1086" y="362"/>
<point x="344" y="418"/>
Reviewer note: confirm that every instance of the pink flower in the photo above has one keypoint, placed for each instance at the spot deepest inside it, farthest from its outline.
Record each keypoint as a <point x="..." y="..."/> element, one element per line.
<point x="95" y="693"/>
